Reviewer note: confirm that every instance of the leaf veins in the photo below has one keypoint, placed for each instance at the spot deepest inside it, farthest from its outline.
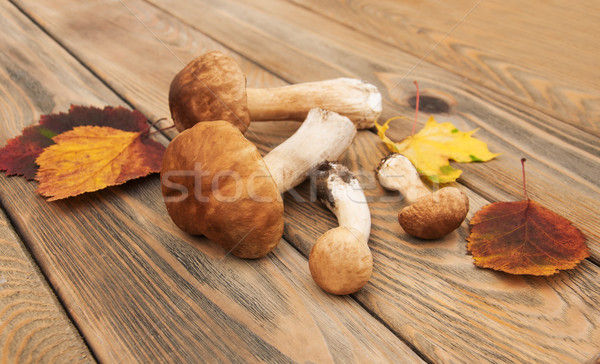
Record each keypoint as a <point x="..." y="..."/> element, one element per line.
<point x="89" y="158"/>
<point x="524" y="238"/>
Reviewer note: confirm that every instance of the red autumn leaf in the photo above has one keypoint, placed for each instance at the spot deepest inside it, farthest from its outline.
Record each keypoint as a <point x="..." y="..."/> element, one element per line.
<point x="89" y="158"/>
<point x="524" y="238"/>
<point x="19" y="155"/>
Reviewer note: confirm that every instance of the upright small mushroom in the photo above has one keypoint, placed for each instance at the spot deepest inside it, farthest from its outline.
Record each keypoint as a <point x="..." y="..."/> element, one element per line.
<point x="213" y="87"/>
<point x="340" y="262"/>
<point x="215" y="183"/>
<point x="428" y="215"/>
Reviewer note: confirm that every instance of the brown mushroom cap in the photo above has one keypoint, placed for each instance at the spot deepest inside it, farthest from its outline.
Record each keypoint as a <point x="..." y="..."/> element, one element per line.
<point x="211" y="87"/>
<point x="231" y="197"/>
<point x="340" y="262"/>
<point x="436" y="214"/>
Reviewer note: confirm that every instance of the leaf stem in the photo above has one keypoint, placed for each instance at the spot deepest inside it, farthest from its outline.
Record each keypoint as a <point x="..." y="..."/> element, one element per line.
<point x="162" y="129"/>
<point x="416" y="109"/>
<point x="524" y="182"/>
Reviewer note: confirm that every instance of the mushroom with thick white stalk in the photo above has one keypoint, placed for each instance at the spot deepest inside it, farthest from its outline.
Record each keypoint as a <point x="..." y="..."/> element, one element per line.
<point x="428" y="215"/>
<point x="340" y="262"/>
<point x="215" y="183"/>
<point x="213" y="87"/>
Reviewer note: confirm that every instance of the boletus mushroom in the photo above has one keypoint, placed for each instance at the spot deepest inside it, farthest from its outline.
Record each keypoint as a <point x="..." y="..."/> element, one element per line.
<point x="428" y="215"/>
<point x="215" y="183"/>
<point x="340" y="262"/>
<point x="213" y="87"/>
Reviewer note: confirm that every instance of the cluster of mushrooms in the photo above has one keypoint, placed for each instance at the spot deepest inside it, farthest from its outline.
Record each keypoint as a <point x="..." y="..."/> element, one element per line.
<point x="215" y="182"/>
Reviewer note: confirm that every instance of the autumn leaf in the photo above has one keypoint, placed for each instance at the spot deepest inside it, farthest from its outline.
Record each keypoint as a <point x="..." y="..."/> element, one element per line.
<point x="89" y="158"/>
<point x="431" y="149"/>
<point x="19" y="155"/>
<point x="524" y="237"/>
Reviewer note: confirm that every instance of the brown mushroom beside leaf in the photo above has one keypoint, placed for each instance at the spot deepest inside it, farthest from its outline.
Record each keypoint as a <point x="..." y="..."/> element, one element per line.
<point x="213" y="87"/>
<point x="428" y="215"/>
<point x="215" y="183"/>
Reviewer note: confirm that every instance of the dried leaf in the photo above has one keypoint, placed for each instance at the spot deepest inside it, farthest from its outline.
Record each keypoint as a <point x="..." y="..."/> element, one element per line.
<point x="431" y="149"/>
<point x="19" y="155"/>
<point x="524" y="238"/>
<point x="89" y="158"/>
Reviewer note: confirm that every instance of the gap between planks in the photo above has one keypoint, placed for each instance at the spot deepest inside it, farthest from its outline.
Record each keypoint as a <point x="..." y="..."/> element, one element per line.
<point x="35" y="324"/>
<point x="480" y="192"/>
<point x="86" y="67"/>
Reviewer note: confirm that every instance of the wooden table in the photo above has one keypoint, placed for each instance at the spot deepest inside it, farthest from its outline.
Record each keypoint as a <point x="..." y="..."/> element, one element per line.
<point x="107" y="276"/>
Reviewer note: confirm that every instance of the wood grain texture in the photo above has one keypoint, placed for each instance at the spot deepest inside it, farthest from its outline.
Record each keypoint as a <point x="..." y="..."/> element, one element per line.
<point x="546" y="62"/>
<point x="33" y="324"/>
<point x="429" y="293"/>
<point x="157" y="48"/>
<point x="433" y="295"/>
<point x="300" y="46"/>
<point x="541" y="53"/>
<point x="31" y="66"/>
<point x="141" y="290"/>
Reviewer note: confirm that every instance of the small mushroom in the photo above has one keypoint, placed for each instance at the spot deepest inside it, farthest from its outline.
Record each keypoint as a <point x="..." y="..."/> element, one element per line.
<point x="213" y="87"/>
<point x="215" y="183"/>
<point x="340" y="262"/>
<point x="428" y="215"/>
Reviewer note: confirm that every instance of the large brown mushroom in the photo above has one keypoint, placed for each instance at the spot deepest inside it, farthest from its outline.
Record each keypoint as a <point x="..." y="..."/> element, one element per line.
<point x="213" y="87"/>
<point x="428" y="215"/>
<point x="215" y="183"/>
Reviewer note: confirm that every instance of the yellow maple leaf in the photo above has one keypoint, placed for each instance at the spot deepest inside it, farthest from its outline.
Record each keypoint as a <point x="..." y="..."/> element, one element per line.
<point x="431" y="149"/>
<point x="89" y="158"/>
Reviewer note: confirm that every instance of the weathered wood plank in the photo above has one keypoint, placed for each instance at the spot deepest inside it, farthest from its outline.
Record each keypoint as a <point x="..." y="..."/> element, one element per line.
<point x="524" y="71"/>
<point x="33" y="69"/>
<point x="452" y="311"/>
<point x="429" y="293"/>
<point x="140" y="289"/>
<point x="547" y="60"/>
<point x="33" y="324"/>
<point x="301" y="46"/>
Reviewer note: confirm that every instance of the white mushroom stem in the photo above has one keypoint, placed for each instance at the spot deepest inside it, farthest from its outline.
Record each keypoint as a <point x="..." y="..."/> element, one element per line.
<point x="324" y="135"/>
<point x="341" y="262"/>
<point x="397" y="173"/>
<point x="355" y="99"/>
<point x="340" y="191"/>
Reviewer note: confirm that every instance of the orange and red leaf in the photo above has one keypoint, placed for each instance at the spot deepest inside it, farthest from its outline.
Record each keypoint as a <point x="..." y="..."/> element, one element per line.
<point x="18" y="156"/>
<point x="89" y="158"/>
<point x="524" y="238"/>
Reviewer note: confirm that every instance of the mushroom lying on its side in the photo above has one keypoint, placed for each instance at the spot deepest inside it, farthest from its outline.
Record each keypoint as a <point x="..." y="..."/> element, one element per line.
<point x="213" y="87"/>
<point x="340" y="262"/>
<point x="215" y="183"/>
<point x="429" y="215"/>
